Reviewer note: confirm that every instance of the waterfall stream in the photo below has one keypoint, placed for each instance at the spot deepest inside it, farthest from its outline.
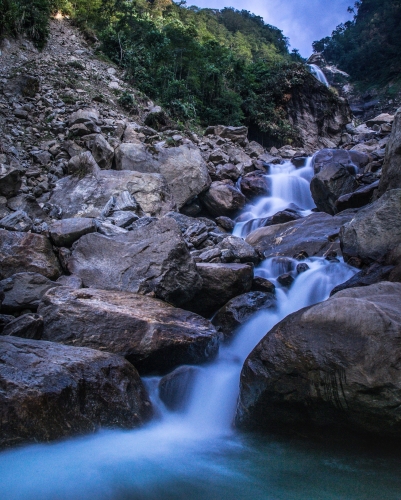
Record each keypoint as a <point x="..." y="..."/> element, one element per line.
<point x="318" y="73"/>
<point x="196" y="452"/>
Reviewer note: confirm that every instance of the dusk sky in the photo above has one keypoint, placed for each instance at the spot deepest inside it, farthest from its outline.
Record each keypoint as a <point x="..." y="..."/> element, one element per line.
<point x="302" y="21"/>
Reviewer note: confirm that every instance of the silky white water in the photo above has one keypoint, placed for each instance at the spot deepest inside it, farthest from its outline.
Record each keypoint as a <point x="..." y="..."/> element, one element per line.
<point x="318" y="73"/>
<point x="197" y="453"/>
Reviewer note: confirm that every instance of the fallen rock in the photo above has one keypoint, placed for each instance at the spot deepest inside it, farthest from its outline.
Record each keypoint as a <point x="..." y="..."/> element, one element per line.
<point x="220" y="283"/>
<point x="152" y="335"/>
<point x="102" y="152"/>
<point x="10" y="180"/>
<point x="235" y="134"/>
<point x="24" y="291"/>
<point x="391" y="172"/>
<point x="51" y="391"/>
<point x="149" y="259"/>
<point x="223" y="198"/>
<point x="83" y="116"/>
<point x="332" y="365"/>
<point x="27" y="326"/>
<point x="316" y="234"/>
<point x="27" y="252"/>
<point x="17" y="221"/>
<point x="239" y="309"/>
<point x="66" y="231"/>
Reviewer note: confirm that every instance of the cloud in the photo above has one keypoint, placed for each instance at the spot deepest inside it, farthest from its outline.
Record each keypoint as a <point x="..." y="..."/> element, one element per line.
<point x="302" y="21"/>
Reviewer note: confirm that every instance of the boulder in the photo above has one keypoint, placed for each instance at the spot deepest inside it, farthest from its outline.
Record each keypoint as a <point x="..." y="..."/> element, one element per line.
<point x="382" y="119"/>
<point x="369" y="276"/>
<point x="183" y="167"/>
<point x="353" y="160"/>
<point x="220" y="283"/>
<point x="374" y="233"/>
<point x="10" y="180"/>
<point x="149" y="259"/>
<point x="332" y="365"/>
<point x="239" y="309"/>
<point x="149" y="333"/>
<point x="260" y="284"/>
<point x="391" y="172"/>
<point x="329" y="184"/>
<point x="102" y="152"/>
<point x="175" y="388"/>
<point x="239" y="250"/>
<point x="254" y="184"/>
<point x="24" y="291"/>
<point x="51" y="391"/>
<point x="223" y="198"/>
<point x="27" y="326"/>
<point x="65" y="232"/>
<point x="235" y="134"/>
<point x="87" y="197"/>
<point x="17" y="221"/>
<point x="27" y="252"/>
<point x="83" y="116"/>
<point x="317" y="234"/>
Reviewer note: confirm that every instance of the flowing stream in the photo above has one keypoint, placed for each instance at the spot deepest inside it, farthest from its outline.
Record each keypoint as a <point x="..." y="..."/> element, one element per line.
<point x="196" y="453"/>
<point x="318" y="73"/>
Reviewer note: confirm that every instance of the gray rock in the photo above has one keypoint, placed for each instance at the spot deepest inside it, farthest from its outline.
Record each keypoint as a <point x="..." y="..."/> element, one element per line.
<point x="27" y="252"/>
<point x="150" y="259"/>
<point x="262" y="285"/>
<point x="52" y="391"/>
<point x="332" y="365"/>
<point x="26" y="326"/>
<point x="196" y="234"/>
<point x="66" y="231"/>
<point x="369" y="276"/>
<point x="357" y="199"/>
<point x="391" y="173"/>
<point x="353" y="160"/>
<point x="102" y="152"/>
<point x="225" y="223"/>
<point x="108" y="229"/>
<point x="83" y="116"/>
<point x="221" y="282"/>
<point x="4" y="320"/>
<point x="223" y="199"/>
<point x="239" y="249"/>
<point x="88" y="196"/>
<point x="24" y="291"/>
<point x="374" y="233"/>
<point x="149" y="333"/>
<point x="17" y="221"/>
<point x="235" y="134"/>
<point x="254" y="184"/>
<point x="70" y="281"/>
<point x="82" y="164"/>
<point x="10" y="180"/>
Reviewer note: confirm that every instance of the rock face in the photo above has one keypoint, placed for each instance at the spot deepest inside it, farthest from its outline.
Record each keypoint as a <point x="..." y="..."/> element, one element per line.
<point x="183" y="167"/>
<point x="391" y="174"/>
<point x="333" y="364"/>
<point x="152" y="335"/>
<point x="316" y="234"/>
<point x="329" y="184"/>
<point x="24" y="291"/>
<point x="240" y="309"/>
<point x="27" y="252"/>
<point x="374" y="233"/>
<point x="220" y="283"/>
<point x="88" y="196"/>
<point x="51" y="391"/>
<point x="223" y="198"/>
<point x="150" y="259"/>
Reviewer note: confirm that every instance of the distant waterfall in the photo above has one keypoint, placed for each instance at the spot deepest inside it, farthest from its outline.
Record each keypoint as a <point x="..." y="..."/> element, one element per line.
<point x="318" y="74"/>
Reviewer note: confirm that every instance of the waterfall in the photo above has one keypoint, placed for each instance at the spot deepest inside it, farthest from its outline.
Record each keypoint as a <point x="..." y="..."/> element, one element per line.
<point x="193" y="452"/>
<point x="318" y="74"/>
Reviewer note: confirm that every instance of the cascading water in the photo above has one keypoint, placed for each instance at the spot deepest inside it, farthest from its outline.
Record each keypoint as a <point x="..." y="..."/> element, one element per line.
<point x="318" y="73"/>
<point x="196" y="452"/>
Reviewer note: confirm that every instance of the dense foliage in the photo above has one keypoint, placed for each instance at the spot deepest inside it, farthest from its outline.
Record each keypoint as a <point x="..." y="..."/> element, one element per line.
<point x="368" y="47"/>
<point x="204" y="66"/>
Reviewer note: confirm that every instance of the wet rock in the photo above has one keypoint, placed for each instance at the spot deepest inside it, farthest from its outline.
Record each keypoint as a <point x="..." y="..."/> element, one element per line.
<point x="316" y="235"/>
<point x="374" y="233"/>
<point x="351" y="160"/>
<point x="332" y="365"/>
<point x="239" y="309"/>
<point x="220" y="283"/>
<point x="284" y="216"/>
<point x="149" y="259"/>
<point x="254" y="184"/>
<point x="17" y="221"/>
<point x="329" y="184"/>
<point x="149" y="333"/>
<point x="239" y="250"/>
<point x="10" y="180"/>
<point x="27" y="252"/>
<point x="26" y="326"/>
<point x="391" y="172"/>
<point x="369" y="276"/>
<point x="88" y="196"/>
<point x="357" y="199"/>
<point x="260" y="284"/>
<point x="102" y="152"/>
<point x="285" y="280"/>
<point x="23" y="291"/>
<point x="225" y="223"/>
<point x="66" y="231"/>
<point x="301" y="268"/>
<point x="223" y="199"/>
<point x="175" y="388"/>
<point x="52" y="391"/>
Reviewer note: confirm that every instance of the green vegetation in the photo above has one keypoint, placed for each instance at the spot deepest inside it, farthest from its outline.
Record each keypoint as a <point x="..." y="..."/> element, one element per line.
<point x="368" y="47"/>
<point x="203" y="66"/>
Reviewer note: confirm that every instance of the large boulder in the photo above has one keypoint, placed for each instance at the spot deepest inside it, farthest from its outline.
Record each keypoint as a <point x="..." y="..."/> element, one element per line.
<point x="102" y="152"/>
<point x="220" y="283"/>
<point x="87" y="196"/>
<point x="335" y="364"/>
<point x="183" y="167"/>
<point x="51" y="391"/>
<point x="374" y="233"/>
<point x="149" y="259"/>
<point x="27" y="252"/>
<point x="149" y="333"/>
<point x="353" y="160"/>
<point x="317" y="235"/>
<point x="329" y="184"/>
<point x="24" y="291"/>
<point x="223" y="198"/>
<point x="391" y="173"/>
<point x="65" y="232"/>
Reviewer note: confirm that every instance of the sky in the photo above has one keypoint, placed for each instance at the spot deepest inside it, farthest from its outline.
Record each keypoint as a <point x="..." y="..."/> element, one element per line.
<point x="302" y="21"/>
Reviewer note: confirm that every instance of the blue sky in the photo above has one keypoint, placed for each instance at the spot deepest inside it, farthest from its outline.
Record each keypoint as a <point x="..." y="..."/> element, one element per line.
<point x="302" y="21"/>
